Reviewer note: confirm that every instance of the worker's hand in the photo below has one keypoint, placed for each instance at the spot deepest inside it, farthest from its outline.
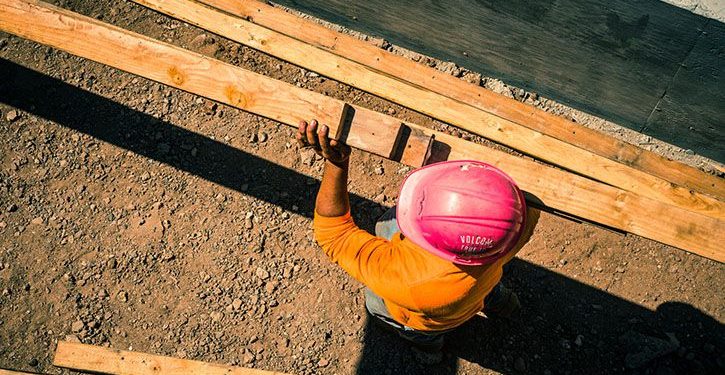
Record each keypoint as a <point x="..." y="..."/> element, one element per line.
<point x="309" y="136"/>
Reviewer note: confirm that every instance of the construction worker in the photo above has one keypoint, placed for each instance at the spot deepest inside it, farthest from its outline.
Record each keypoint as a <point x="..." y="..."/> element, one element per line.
<point x="438" y="255"/>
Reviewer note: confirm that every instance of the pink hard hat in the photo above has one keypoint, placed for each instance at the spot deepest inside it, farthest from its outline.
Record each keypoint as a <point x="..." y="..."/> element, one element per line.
<point x="468" y="212"/>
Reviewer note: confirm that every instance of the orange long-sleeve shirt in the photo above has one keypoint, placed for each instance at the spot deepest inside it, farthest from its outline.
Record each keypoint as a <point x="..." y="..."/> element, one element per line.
<point x="420" y="290"/>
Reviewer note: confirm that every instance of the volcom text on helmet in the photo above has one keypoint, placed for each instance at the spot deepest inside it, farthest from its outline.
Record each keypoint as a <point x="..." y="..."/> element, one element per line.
<point x="474" y="242"/>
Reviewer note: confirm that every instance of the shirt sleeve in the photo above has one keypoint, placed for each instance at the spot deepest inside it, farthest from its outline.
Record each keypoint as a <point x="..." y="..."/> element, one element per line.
<point x="365" y="257"/>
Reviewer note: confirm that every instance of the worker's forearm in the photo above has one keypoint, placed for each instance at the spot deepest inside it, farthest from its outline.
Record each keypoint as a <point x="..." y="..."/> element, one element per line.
<point x="332" y="199"/>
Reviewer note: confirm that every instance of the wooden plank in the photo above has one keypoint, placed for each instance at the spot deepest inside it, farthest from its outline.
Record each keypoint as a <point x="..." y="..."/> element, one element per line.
<point x="96" y="359"/>
<point x="555" y="189"/>
<point x="12" y="372"/>
<point x="581" y="197"/>
<point x="439" y="106"/>
<point x="176" y="67"/>
<point x="577" y="196"/>
<point x="615" y="61"/>
<point x="474" y="95"/>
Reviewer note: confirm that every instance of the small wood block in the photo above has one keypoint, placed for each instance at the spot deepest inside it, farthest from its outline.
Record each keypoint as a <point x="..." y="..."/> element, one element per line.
<point x="96" y="359"/>
<point x="346" y="115"/>
<point x="415" y="147"/>
<point x="371" y="131"/>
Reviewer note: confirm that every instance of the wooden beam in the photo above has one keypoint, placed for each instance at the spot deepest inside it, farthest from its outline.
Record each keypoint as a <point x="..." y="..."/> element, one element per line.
<point x="12" y="372"/>
<point x="606" y="205"/>
<point x="553" y="188"/>
<point x="506" y="109"/>
<point x="173" y="66"/>
<point x="96" y="359"/>
<point x="437" y="105"/>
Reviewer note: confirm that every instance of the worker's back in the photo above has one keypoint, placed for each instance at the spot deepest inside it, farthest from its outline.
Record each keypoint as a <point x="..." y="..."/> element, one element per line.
<point x="420" y="290"/>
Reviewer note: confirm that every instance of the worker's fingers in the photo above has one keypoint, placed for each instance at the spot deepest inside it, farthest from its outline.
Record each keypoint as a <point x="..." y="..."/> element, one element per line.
<point x="324" y="141"/>
<point x="302" y="127"/>
<point x="300" y="137"/>
<point x="312" y="134"/>
<point x="301" y="133"/>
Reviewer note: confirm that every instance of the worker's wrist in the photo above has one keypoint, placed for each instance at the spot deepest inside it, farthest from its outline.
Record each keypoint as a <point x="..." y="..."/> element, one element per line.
<point x="340" y="164"/>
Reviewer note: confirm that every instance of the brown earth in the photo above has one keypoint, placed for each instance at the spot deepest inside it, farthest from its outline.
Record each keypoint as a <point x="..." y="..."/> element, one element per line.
<point x="141" y="217"/>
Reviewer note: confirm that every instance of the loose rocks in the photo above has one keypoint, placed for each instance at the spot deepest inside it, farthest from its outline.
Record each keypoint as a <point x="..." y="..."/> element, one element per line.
<point x="12" y="115"/>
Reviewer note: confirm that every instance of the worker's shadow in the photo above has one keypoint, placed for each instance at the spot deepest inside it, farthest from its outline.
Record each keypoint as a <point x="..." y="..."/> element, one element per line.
<point x="566" y="327"/>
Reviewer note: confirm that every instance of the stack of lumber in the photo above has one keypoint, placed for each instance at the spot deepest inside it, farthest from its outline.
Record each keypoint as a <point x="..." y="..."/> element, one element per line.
<point x="592" y="176"/>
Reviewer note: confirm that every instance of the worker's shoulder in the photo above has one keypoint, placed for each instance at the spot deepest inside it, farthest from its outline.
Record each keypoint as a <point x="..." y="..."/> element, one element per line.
<point x="418" y="266"/>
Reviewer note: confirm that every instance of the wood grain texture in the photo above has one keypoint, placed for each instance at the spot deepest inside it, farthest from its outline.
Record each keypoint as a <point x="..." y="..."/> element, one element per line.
<point x="614" y="59"/>
<point x="96" y="359"/>
<point x="11" y="372"/>
<point x="551" y="188"/>
<point x="176" y="67"/>
<point x="581" y="197"/>
<point x="440" y="106"/>
<point x="365" y="53"/>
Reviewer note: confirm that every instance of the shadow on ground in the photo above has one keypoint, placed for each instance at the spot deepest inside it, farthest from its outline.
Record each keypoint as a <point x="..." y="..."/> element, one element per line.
<point x="567" y="327"/>
<point x="135" y="131"/>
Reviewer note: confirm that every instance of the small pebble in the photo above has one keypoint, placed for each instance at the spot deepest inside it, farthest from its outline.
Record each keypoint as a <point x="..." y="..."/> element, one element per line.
<point x="77" y="326"/>
<point x="262" y="273"/>
<point x="12" y="115"/>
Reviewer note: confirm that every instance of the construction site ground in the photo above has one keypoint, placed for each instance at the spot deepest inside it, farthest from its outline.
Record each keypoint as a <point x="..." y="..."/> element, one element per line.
<point x="141" y="217"/>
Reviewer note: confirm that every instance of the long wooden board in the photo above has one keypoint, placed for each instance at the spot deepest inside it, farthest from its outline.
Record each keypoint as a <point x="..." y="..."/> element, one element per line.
<point x="440" y="106"/>
<point x="612" y="207"/>
<point x="96" y="359"/>
<point x="192" y="72"/>
<point x="554" y="189"/>
<point x="506" y="108"/>
<point x="11" y="372"/>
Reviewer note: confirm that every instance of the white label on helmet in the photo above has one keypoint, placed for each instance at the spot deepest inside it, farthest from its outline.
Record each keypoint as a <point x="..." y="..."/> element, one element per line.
<point x="474" y="243"/>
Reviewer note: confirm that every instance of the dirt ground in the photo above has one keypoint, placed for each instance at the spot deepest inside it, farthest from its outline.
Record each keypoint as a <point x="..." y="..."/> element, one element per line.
<point x="141" y="217"/>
